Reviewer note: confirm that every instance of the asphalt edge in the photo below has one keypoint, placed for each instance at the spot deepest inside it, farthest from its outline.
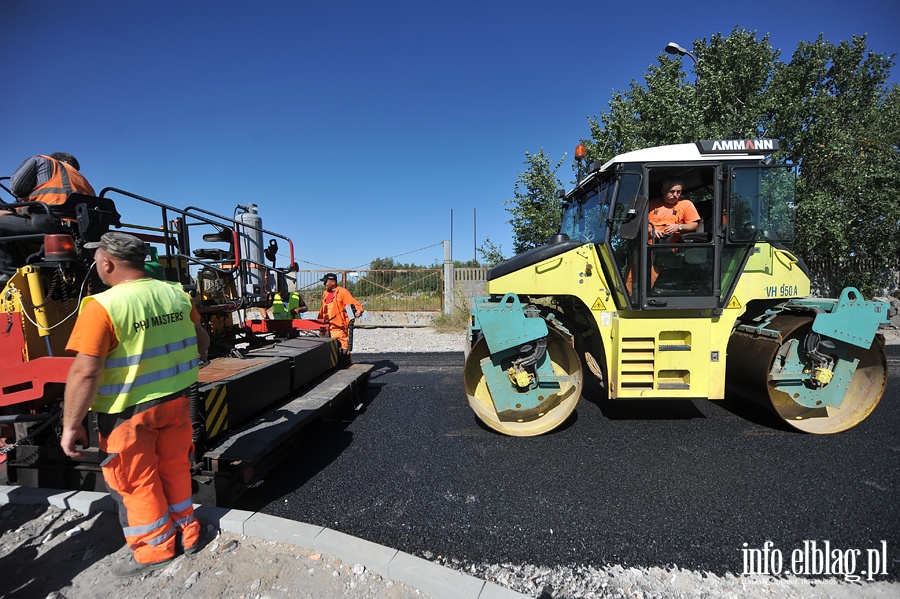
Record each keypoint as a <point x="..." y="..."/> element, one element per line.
<point x="433" y="580"/>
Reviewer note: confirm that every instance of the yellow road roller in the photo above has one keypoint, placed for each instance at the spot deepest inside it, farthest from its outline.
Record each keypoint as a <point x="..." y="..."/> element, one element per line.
<point x="714" y="304"/>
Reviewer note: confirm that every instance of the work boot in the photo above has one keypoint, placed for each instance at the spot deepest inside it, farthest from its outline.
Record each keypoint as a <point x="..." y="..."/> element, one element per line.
<point x="202" y="541"/>
<point x="130" y="567"/>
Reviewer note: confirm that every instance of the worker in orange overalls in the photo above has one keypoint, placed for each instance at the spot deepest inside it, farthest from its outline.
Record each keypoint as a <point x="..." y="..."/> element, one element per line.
<point x="668" y="215"/>
<point x="334" y="310"/>
<point x="138" y="350"/>
<point x="48" y="179"/>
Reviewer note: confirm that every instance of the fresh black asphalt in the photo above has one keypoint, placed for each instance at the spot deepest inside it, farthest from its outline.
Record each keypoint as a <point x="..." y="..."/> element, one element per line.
<point x="639" y="484"/>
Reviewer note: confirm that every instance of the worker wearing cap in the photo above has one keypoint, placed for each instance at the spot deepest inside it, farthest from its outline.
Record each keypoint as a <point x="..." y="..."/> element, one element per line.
<point x="334" y="310"/>
<point x="138" y="347"/>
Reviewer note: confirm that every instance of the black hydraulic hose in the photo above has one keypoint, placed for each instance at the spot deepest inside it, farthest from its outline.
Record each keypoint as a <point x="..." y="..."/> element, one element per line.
<point x="198" y="424"/>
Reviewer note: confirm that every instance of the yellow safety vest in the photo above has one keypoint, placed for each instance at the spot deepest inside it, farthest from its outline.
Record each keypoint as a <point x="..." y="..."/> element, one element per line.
<point x="279" y="311"/>
<point x="157" y="351"/>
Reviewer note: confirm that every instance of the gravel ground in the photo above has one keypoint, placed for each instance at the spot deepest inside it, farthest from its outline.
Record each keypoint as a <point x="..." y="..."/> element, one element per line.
<point x="61" y="554"/>
<point x="587" y="582"/>
<point x="398" y="340"/>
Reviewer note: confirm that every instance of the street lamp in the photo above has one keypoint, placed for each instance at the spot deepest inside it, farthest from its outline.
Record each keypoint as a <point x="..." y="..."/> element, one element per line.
<point x="674" y="48"/>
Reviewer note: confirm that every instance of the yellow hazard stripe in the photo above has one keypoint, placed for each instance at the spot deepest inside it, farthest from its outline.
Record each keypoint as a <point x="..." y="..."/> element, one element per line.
<point x="216" y="411"/>
<point x="335" y="352"/>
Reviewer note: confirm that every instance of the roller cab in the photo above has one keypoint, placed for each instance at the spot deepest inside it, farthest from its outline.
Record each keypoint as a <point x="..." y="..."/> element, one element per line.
<point x="724" y="308"/>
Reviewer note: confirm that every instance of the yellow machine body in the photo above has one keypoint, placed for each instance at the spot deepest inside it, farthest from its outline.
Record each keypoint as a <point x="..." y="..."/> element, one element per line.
<point x="666" y="354"/>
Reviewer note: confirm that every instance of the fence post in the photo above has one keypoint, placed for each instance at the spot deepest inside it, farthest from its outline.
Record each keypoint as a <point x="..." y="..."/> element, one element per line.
<point x="448" y="279"/>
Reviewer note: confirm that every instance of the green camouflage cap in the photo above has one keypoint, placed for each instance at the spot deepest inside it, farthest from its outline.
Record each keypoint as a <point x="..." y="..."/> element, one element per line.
<point x="121" y="245"/>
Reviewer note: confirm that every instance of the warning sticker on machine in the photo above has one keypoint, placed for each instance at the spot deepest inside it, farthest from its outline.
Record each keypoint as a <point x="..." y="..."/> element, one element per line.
<point x="605" y="319"/>
<point x="734" y="303"/>
<point x="598" y="305"/>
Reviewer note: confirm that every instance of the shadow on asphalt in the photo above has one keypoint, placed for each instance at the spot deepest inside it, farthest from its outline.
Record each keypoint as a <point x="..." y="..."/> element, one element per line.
<point x="567" y="423"/>
<point x="638" y="409"/>
<point x="679" y="409"/>
<point x="746" y="409"/>
<point x="381" y="368"/>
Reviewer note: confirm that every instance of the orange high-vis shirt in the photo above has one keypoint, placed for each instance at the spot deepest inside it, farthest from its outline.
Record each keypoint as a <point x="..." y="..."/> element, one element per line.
<point x="660" y="215"/>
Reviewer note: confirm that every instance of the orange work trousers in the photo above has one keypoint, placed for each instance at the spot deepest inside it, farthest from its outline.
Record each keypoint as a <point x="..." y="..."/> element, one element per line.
<point x="654" y="274"/>
<point x="147" y="471"/>
<point x="342" y="336"/>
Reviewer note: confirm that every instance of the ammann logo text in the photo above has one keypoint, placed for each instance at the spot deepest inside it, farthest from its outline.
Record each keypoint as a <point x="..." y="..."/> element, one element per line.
<point x="817" y="558"/>
<point x="734" y="145"/>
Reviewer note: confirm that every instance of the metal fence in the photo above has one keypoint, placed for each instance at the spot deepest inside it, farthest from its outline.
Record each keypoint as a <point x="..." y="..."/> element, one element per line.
<point x="828" y="276"/>
<point x="423" y="292"/>
<point x="379" y="290"/>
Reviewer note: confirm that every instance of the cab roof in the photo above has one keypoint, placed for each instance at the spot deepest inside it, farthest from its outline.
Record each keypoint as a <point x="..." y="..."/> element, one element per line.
<point x="702" y="151"/>
<point x="708" y="150"/>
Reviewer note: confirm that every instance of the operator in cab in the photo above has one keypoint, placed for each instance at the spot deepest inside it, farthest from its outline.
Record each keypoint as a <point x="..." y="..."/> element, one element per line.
<point x="48" y="179"/>
<point x="669" y="216"/>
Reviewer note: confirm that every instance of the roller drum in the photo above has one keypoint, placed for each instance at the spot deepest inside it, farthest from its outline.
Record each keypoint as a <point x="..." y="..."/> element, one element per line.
<point x="749" y="374"/>
<point x="554" y="410"/>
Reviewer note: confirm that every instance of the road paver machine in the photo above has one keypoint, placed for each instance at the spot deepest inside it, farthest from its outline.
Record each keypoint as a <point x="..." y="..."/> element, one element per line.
<point x="266" y="379"/>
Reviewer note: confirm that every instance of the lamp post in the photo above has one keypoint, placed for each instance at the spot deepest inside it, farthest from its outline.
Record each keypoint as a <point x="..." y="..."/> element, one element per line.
<point x="674" y="48"/>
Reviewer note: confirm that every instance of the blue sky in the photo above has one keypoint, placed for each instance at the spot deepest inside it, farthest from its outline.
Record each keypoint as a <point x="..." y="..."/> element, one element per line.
<point x="355" y="126"/>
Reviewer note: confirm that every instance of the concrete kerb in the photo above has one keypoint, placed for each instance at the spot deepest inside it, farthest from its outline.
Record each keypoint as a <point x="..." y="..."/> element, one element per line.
<point x="431" y="579"/>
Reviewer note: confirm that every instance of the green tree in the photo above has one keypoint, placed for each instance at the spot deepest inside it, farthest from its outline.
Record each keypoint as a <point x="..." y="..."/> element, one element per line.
<point x="839" y="120"/>
<point x="459" y="264"/>
<point x="491" y="253"/>
<point x="386" y="276"/>
<point x="386" y="266"/>
<point x="728" y="99"/>
<point x="536" y="211"/>
<point x="733" y="86"/>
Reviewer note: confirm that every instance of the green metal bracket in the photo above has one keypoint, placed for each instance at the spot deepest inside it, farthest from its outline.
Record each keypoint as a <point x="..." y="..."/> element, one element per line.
<point x="504" y="323"/>
<point x="792" y="378"/>
<point x="513" y="404"/>
<point x="852" y="319"/>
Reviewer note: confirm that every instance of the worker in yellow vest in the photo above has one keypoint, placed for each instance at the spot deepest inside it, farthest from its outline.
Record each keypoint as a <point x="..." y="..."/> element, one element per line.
<point x="293" y="309"/>
<point x="138" y="349"/>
